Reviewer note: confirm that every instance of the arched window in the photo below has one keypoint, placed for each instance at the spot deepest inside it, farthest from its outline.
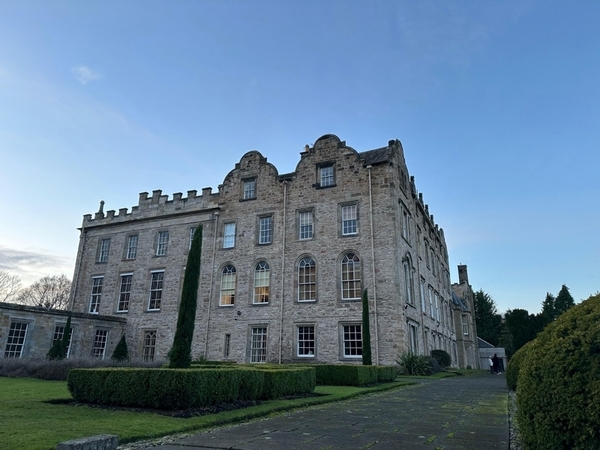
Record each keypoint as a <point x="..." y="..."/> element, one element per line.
<point x="351" y="283"/>
<point x="408" y="279"/>
<point x="261" y="282"/>
<point x="307" y="280"/>
<point x="228" y="280"/>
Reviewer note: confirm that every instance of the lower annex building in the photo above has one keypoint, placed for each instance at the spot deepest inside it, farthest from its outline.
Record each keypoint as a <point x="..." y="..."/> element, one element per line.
<point x="285" y="259"/>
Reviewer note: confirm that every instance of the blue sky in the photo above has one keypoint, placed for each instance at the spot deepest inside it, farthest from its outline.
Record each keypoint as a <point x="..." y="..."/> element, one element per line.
<point x="496" y="103"/>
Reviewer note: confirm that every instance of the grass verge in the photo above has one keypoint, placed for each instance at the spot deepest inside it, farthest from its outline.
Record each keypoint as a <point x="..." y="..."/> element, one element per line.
<point x="28" y="421"/>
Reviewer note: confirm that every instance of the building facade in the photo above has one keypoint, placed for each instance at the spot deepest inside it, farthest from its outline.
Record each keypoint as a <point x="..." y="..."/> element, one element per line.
<point x="285" y="259"/>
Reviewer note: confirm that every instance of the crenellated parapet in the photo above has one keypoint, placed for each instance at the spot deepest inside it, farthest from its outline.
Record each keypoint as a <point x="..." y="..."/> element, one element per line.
<point x="155" y="205"/>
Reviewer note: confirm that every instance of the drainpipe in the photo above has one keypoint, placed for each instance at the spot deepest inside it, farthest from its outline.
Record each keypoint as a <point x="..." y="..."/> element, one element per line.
<point x="283" y="232"/>
<point x="373" y="268"/>
<point x="210" y="286"/>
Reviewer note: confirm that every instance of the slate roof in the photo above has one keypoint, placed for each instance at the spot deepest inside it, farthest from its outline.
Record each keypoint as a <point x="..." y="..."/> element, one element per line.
<point x="377" y="156"/>
<point x="458" y="302"/>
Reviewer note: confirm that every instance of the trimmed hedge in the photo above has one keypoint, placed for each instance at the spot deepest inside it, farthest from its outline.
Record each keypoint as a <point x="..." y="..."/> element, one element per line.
<point x="558" y="393"/>
<point x="185" y="388"/>
<point x="346" y="375"/>
<point x="442" y="357"/>
<point x="386" y="374"/>
<point x="514" y="366"/>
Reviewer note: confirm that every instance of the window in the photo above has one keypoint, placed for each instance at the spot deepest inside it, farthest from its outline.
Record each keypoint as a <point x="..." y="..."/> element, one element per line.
<point x="161" y="243"/>
<point x="16" y="340"/>
<point x="408" y="279"/>
<point x="261" y="283"/>
<point x="59" y="332"/>
<point x="149" y="347"/>
<point x="352" y="337"/>
<point x="465" y="325"/>
<point x="97" y="283"/>
<point x="349" y="220"/>
<point x="405" y="224"/>
<point x="132" y="242"/>
<point x="103" y="251"/>
<point x="124" y="292"/>
<point x="227" y="346"/>
<point x="156" y="288"/>
<point x="99" y="347"/>
<point x="422" y="291"/>
<point x="307" y="280"/>
<point x="437" y="306"/>
<point x="249" y="189"/>
<point x="228" y="279"/>
<point x="426" y="244"/>
<point x="305" y="225"/>
<point x="306" y="341"/>
<point x="265" y="235"/>
<point x="229" y="235"/>
<point x="351" y="285"/>
<point x="258" y="345"/>
<point x="431" y="313"/>
<point x="413" y="338"/>
<point x="192" y="231"/>
<point x="326" y="176"/>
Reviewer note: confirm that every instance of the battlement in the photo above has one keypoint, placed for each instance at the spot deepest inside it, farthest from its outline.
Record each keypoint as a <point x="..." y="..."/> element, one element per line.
<point x="155" y="205"/>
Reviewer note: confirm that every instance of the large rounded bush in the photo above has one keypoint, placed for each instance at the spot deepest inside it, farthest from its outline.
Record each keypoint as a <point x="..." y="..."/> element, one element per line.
<point x="558" y="395"/>
<point x="514" y="366"/>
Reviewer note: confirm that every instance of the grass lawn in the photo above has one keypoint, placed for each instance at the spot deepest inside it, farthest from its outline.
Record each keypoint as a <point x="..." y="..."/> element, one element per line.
<point x="29" y="422"/>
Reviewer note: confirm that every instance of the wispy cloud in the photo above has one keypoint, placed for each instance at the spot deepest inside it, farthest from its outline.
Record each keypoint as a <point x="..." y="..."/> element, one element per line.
<point x="31" y="265"/>
<point x="84" y="74"/>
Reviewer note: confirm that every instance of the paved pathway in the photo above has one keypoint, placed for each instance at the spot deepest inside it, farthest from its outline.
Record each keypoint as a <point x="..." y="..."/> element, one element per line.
<point x="467" y="413"/>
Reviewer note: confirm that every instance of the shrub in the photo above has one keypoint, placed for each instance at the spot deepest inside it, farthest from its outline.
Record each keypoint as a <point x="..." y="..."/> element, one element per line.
<point x="56" y="352"/>
<point x="558" y="394"/>
<point x="345" y="375"/>
<point x="386" y="374"/>
<point x="283" y="383"/>
<point x="442" y="357"/>
<point x="514" y="366"/>
<point x="413" y="364"/>
<point x="121" y="352"/>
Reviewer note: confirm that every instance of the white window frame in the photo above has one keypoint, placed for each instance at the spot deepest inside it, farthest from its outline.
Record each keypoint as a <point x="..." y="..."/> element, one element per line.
<point x="125" y="286"/>
<point x="227" y="346"/>
<point x="350" y="277"/>
<point x="262" y="275"/>
<point x="258" y="344"/>
<point x="326" y="176"/>
<point x="192" y="231"/>
<point x="162" y="243"/>
<point x="149" y="345"/>
<point x="157" y="283"/>
<point x="305" y="225"/>
<point x="96" y="294"/>
<point x="100" y="340"/>
<point x="408" y="279"/>
<point x="422" y="291"/>
<point x="405" y="224"/>
<point x="413" y="342"/>
<point x="307" y="280"/>
<point x="306" y="344"/>
<point x="349" y="220"/>
<point x="465" y="325"/>
<point x="249" y="192"/>
<point x="59" y="332"/>
<point x="15" y="342"/>
<point x="132" y="243"/>
<point x="437" y="306"/>
<point x="265" y="230"/>
<point x="228" y="285"/>
<point x="103" y="250"/>
<point x="351" y="339"/>
<point x="229" y="235"/>
<point x="431" y="310"/>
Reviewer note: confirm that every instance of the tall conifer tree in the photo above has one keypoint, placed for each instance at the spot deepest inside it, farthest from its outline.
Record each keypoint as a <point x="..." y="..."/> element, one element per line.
<point x="366" y="331"/>
<point x="180" y="355"/>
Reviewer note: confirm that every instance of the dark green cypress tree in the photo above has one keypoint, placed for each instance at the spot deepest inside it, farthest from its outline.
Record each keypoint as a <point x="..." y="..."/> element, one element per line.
<point x="65" y="338"/>
<point x="366" y="332"/>
<point x="563" y="301"/>
<point x="121" y="352"/>
<point x="180" y="355"/>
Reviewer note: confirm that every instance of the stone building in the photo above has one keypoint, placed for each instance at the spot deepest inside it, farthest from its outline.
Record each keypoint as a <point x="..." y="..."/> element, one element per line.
<point x="464" y="315"/>
<point x="285" y="259"/>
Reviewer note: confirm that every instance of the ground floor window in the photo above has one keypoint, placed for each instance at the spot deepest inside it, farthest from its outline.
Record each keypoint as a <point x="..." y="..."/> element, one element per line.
<point x="99" y="347"/>
<point x="352" y="337"/>
<point x="59" y="332"/>
<point x="227" y="346"/>
<point x="149" y="346"/>
<point x="16" y="340"/>
<point x="413" y="338"/>
<point x="306" y="341"/>
<point x="258" y="345"/>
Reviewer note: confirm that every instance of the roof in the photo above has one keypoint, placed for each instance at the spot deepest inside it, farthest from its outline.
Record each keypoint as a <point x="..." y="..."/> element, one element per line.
<point x="376" y="156"/>
<point x="458" y="302"/>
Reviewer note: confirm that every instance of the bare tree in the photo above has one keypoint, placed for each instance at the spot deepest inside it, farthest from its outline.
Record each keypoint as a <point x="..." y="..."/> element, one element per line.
<point x="9" y="285"/>
<point x="48" y="292"/>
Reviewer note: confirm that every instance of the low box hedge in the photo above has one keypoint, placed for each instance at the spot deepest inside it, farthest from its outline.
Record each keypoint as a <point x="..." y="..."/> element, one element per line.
<point x="185" y="388"/>
<point x="346" y="375"/>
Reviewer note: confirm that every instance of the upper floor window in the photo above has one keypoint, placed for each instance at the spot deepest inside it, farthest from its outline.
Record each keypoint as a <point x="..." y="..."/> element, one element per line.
<point x="249" y="189"/>
<point x="349" y="220"/>
<point x="326" y="176"/>
<point x="161" y="243"/>
<point x="351" y="283"/>
<point x="265" y="234"/>
<point x="431" y="311"/>
<point x="405" y="224"/>
<point x="307" y="280"/>
<point x="261" y="282"/>
<point x="465" y="325"/>
<point x="124" y="292"/>
<point x="228" y="281"/>
<point x="437" y="306"/>
<point x="103" y="250"/>
<point x="305" y="225"/>
<point x="192" y="231"/>
<point x="132" y="242"/>
<point x="156" y="290"/>
<point x="408" y="279"/>
<point x="229" y="235"/>
<point x="96" y="295"/>
<point x="422" y="291"/>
